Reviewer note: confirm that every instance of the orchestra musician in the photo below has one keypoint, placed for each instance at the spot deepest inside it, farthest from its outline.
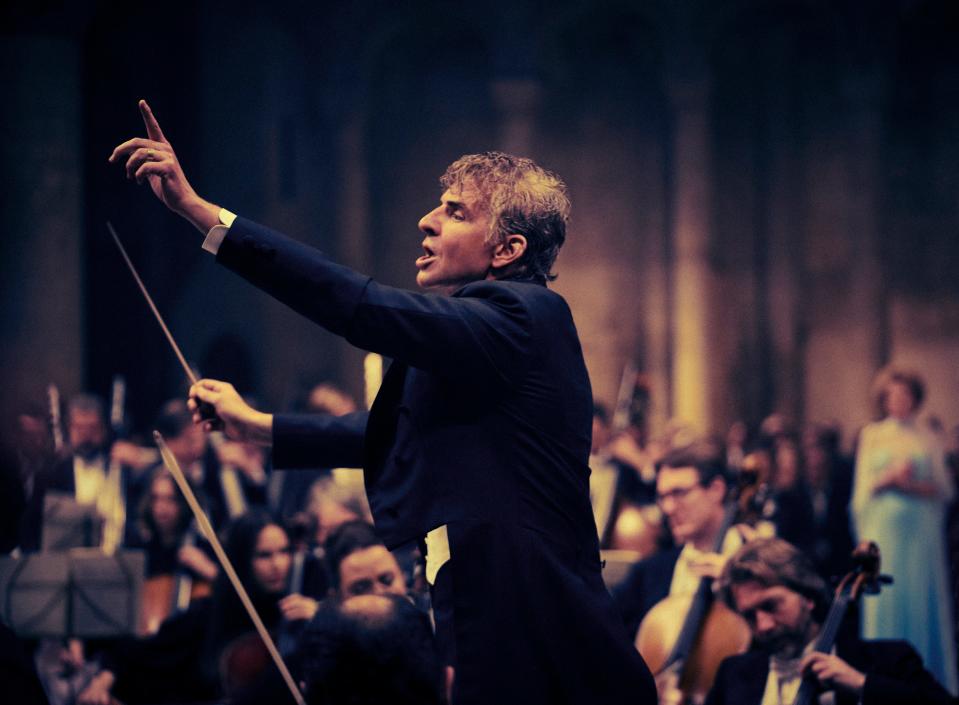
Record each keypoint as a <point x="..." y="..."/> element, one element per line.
<point x="691" y="490"/>
<point x="85" y="474"/>
<point x="784" y="601"/>
<point x="182" y="662"/>
<point x="164" y="531"/>
<point x="204" y="465"/>
<point x="684" y="636"/>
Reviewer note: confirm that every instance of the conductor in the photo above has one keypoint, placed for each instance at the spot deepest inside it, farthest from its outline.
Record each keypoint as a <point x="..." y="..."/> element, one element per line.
<point x="478" y="440"/>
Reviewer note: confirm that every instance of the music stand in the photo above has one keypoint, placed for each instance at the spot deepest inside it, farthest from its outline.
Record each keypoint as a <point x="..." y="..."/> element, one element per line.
<point x="80" y="593"/>
<point x="68" y="524"/>
<point x="34" y="594"/>
<point x="105" y="592"/>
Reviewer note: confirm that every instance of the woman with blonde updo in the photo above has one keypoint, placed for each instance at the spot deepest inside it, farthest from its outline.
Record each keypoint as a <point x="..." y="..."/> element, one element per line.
<point x="901" y="491"/>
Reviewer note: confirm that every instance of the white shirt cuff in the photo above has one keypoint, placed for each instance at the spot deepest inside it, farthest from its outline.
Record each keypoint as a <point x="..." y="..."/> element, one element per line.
<point x="217" y="233"/>
<point x="437" y="552"/>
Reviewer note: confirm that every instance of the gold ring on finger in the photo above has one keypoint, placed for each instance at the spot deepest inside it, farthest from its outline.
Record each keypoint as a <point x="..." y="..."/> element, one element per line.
<point x="150" y="154"/>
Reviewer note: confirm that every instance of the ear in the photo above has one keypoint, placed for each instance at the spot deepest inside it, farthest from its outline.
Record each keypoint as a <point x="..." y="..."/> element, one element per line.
<point x="717" y="488"/>
<point x="510" y="250"/>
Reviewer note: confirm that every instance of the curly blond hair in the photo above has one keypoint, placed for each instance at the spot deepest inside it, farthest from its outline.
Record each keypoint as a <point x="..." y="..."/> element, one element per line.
<point x="522" y="198"/>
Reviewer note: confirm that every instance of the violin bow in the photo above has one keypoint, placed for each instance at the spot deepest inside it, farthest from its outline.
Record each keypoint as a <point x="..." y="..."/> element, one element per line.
<point x="204" y="523"/>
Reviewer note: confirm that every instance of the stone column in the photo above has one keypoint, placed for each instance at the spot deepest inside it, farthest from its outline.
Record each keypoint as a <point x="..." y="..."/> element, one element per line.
<point x="41" y="155"/>
<point x="847" y="338"/>
<point x="692" y="381"/>
<point x="354" y="243"/>
<point x="783" y="229"/>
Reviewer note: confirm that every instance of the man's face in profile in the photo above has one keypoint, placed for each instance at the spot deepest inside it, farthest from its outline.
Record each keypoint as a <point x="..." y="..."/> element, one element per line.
<point x="455" y="250"/>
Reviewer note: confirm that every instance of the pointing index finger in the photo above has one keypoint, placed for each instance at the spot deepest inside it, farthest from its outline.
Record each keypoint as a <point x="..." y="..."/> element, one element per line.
<point x="153" y="127"/>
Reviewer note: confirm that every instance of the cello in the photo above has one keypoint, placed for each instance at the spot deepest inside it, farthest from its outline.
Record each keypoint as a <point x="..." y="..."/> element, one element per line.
<point x="864" y="577"/>
<point x="687" y="658"/>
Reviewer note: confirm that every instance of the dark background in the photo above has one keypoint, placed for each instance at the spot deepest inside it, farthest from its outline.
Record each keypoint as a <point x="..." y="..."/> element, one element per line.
<point x="764" y="193"/>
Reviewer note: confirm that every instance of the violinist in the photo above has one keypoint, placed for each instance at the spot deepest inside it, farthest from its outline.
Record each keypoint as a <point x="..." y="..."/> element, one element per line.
<point x="163" y="520"/>
<point x="691" y="489"/>
<point x="775" y="588"/>
<point x="182" y="662"/>
<point x="163" y="531"/>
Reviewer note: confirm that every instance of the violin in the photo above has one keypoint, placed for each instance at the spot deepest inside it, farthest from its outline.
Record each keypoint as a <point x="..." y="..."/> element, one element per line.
<point x="864" y="577"/>
<point x="687" y="657"/>
<point x="170" y="594"/>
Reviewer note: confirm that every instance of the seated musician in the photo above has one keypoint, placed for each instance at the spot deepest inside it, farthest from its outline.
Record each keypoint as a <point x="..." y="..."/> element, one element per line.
<point x="163" y="519"/>
<point x="784" y="601"/>
<point x="87" y="473"/>
<point x="183" y="661"/>
<point x="379" y="634"/>
<point x="178" y="559"/>
<point x="691" y="488"/>
<point x="359" y="563"/>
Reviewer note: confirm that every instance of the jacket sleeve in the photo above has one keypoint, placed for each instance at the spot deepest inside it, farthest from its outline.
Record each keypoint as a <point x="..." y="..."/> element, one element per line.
<point x="482" y="333"/>
<point x="899" y="678"/>
<point x="319" y="440"/>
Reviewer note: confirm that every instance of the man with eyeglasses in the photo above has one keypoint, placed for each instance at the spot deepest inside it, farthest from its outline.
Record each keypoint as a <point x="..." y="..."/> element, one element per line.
<point x="691" y="487"/>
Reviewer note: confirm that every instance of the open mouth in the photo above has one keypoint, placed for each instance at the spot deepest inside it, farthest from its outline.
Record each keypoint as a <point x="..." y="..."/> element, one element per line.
<point x="426" y="258"/>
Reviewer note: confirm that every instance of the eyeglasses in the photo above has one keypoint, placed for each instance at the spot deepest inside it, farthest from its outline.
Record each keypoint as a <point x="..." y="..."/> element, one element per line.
<point x="676" y="494"/>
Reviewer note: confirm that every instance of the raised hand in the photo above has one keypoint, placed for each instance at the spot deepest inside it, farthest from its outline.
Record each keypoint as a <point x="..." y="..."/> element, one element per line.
<point x="153" y="160"/>
<point x="241" y="422"/>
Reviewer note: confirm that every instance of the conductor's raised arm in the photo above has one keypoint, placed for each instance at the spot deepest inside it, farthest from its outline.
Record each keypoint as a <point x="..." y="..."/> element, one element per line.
<point x="152" y="159"/>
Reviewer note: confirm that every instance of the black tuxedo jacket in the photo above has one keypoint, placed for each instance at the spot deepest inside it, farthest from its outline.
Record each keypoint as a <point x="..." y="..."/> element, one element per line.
<point x="482" y="423"/>
<point x="894" y="676"/>
<point x="60" y="478"/>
